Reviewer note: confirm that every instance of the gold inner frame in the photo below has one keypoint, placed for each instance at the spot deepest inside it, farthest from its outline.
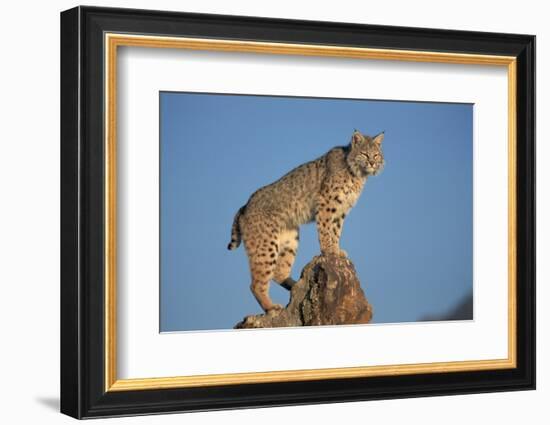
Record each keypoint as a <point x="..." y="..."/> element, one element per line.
<point x="113" y="41"/>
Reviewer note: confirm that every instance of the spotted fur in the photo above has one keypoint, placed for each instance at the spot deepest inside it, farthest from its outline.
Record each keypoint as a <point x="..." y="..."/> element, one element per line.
<point x="322" y="190"/>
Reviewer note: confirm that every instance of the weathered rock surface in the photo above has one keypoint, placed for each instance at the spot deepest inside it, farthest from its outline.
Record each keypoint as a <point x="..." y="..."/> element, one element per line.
<point x="328" y="293"/>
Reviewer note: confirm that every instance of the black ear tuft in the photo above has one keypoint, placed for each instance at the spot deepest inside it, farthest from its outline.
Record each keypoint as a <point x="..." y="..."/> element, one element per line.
<point x="378" y="139"/>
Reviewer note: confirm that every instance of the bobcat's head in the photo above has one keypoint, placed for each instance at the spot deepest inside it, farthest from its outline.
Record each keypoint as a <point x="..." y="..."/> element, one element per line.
<point x="365" y="155"/>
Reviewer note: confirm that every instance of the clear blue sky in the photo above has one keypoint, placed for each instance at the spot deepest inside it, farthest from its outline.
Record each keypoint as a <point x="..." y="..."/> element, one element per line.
<point x="409" y="236"/>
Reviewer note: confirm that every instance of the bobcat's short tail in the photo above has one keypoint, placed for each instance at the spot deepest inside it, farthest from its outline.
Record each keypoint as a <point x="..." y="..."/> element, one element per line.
<point x="236" y="230"/>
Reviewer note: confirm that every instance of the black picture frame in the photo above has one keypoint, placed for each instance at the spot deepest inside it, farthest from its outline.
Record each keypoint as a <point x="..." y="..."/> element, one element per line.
<point x="83" y="392"/>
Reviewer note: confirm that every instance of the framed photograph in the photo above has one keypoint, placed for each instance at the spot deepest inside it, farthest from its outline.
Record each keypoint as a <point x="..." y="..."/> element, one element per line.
<point x="261" y="212"/>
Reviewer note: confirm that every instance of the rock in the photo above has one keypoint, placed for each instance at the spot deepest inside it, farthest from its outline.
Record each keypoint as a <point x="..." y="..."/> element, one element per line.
<point x="328" y="293"/>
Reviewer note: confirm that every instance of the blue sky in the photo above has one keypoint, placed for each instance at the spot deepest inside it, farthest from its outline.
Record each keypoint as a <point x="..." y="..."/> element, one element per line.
<point x="409" y="235"/>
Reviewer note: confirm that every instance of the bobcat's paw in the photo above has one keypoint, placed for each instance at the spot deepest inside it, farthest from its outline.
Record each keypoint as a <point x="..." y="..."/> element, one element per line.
<point x="343" y="253"/>
<point x="274" y="309"/>
<point x="339" y="252"/>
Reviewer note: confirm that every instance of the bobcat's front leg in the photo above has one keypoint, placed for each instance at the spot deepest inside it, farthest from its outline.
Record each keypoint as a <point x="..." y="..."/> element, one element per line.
<point x="330" y="219"/>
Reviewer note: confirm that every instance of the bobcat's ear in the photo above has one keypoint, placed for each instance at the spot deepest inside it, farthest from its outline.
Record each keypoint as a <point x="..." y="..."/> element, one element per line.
<point x="356" y="138"/>
<point x="378" y="139"/>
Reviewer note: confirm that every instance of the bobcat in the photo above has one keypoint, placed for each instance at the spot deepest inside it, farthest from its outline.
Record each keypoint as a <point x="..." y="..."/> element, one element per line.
<point x="323" y="190"/>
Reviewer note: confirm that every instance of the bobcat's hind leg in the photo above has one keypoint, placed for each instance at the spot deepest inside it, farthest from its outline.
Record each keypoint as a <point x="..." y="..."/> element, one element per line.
<point x="262" y="249"/>
<point x="260" y="289"/>
<point x="288" y="245"/>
